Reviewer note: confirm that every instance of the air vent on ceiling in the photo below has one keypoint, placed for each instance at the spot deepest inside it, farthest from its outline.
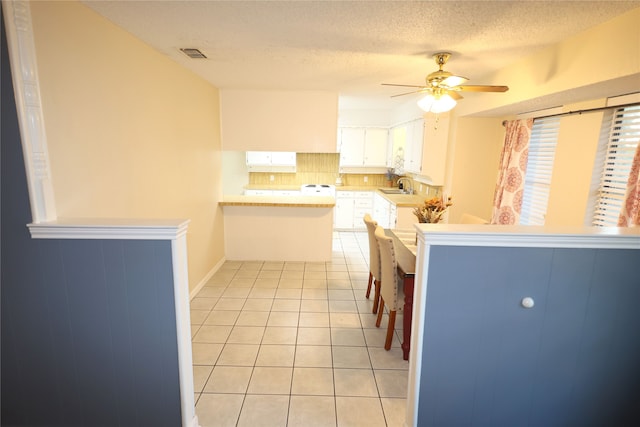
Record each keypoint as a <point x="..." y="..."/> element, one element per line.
<point x="193" y="53"/>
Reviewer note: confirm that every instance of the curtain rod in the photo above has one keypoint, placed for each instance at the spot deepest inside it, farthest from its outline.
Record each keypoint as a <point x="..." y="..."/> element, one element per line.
<point x="589" y="110"/>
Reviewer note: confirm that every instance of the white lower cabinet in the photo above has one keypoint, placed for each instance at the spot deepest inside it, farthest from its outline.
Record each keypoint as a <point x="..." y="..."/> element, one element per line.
<point x="389" y="215"/>
<point x="351" y="207"/>
<point x="381" y="210"/>
<point x="286" y="192"/>
<point x="343" y="212"/>
<point x="271" y="192"/>
<point x="258" y="192"/>
<point x="363" y="204"/>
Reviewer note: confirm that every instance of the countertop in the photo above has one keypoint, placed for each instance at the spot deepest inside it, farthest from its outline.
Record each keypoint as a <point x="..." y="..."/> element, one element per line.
<point x="280" y="201"/>
<point x="403" y="200"/>
<point x="400" y="200"/>
<point x="271" y="187"/>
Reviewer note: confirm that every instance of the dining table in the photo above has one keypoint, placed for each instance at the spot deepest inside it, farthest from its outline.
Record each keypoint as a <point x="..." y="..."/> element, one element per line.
<point x="404" y="243"/>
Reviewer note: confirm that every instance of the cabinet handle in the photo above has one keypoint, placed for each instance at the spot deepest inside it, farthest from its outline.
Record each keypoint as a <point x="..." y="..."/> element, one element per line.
<point x="527" y="302"/>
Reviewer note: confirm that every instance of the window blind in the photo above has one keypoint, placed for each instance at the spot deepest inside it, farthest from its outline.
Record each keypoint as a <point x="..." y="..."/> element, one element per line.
<point x="624" y="136"/>
<point x="537" y="180"/>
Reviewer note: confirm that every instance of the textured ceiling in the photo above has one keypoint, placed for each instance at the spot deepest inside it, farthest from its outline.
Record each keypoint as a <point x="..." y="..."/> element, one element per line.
<point x="351" y="47"/>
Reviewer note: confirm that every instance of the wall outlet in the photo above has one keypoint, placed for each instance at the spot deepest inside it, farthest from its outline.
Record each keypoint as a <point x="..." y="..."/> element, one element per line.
<point x="271" y="178"/>
<point x="366" y="179"/>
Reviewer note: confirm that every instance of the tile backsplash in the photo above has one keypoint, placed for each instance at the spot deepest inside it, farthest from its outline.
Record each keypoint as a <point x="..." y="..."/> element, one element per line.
<point x="311" y="168"/>
<point x="323" y="168"/>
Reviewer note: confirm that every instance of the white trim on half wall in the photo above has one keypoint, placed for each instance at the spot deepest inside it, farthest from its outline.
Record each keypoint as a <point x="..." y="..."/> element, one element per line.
<point x="24" y="69"/>
<point x="45" y="223"/>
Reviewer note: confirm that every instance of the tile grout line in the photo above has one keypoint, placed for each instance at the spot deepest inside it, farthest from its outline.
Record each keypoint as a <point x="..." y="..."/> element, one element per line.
<point x="352" y="272"/>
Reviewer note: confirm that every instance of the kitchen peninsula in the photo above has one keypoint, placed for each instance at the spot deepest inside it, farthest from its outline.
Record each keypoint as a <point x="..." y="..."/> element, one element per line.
<point x="278" y="228"/>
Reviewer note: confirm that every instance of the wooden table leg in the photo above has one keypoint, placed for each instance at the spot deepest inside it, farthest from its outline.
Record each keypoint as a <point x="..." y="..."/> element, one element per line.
<point x="406" y="316"/>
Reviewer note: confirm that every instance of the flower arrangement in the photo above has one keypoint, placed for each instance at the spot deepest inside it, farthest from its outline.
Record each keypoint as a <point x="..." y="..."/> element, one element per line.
<point x="432" y="210"/>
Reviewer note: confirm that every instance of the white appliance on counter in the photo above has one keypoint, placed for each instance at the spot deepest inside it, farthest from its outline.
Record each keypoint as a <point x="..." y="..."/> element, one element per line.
<point x="318" y="190"/>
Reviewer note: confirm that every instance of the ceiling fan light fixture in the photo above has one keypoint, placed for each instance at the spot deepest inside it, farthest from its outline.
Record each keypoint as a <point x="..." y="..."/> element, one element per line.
<point x="452" y="81"/>
<point x="437" y="103"/>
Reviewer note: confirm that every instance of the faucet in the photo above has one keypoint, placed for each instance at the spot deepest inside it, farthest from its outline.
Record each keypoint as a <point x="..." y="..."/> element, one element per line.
<point x="403" y="187"/>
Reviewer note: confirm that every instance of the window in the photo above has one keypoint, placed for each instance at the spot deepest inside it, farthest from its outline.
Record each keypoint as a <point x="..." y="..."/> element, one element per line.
<point x="537" y="180"/>
<point x="621" y="141"/>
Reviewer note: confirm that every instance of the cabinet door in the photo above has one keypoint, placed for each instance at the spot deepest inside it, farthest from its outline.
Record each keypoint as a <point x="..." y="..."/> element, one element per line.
<point x="434" y="153"/>
<point x="363" y="204"/>
<point x="352" y="146"/>
<point x="381" y="207"/>
<point x="283" y="158"/>
<point x="375" y="147"/>
<point x="258" y="192"/>
<point x="413" y="149"/>
<point x="261" y="158"/>
<point x="343" y="216"/>
<point x="393" y="215"/>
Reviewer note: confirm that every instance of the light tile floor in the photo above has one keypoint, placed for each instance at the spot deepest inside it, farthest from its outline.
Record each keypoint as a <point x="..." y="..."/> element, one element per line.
<point x="295" y="344"/>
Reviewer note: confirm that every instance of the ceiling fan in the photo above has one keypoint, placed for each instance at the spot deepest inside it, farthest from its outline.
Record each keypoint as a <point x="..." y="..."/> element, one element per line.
<point x="442" y="87"/>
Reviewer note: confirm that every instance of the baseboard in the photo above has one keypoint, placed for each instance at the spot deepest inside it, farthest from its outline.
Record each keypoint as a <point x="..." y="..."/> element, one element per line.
<point x="206" y="278"/>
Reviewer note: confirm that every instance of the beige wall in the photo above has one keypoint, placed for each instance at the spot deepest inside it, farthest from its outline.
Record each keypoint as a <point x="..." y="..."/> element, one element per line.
<point x="131" y="134"/>
<point x="476" y="152"/>
<point x="573" y="166"/>
<point x="574" y="64"/>
<point x="263" y="120"/>
<point x="478" y="143"/>
<point x="600" y="56"/>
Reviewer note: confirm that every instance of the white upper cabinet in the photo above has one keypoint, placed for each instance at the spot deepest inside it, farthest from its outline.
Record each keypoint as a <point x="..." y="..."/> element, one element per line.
<point x="423" y="143"/>
<point x="363" y="147"/>
<point x="413" y="146"/>
<point x="271" y="161"/>
<point x="258" y="158"/>
<point x="283" y="158"/>
<point x="434" y="149"/>
<point x="351" y="146"/>
<point x="375" y="147"/>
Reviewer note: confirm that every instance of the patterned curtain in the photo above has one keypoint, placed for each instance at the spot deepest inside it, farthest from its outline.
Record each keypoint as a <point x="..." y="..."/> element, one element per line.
<point x="507" y="199"/>
<point x="630" y="212"/>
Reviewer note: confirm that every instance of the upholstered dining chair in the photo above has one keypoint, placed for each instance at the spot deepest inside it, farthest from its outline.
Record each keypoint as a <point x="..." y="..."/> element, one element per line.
<point x="374" y="262"/>
<point x="389" y="283"/>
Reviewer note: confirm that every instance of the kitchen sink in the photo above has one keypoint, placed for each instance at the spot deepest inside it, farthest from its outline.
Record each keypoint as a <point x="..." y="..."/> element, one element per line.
<point x="393" y="191"/>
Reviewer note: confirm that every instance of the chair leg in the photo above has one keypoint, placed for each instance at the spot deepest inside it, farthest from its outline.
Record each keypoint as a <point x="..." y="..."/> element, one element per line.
<point x="376" y="298"/>
<point x="369" y="285"/>
<point x="392" y="324"/>
<point x="380" y="313"/>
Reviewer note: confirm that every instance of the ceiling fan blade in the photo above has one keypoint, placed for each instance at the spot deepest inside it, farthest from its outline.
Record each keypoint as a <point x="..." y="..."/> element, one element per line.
<point x="454" y="95"/>
<point x="480" y="88"/>
<point x="391" y="84"/>
<point x="422" y="90"/>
